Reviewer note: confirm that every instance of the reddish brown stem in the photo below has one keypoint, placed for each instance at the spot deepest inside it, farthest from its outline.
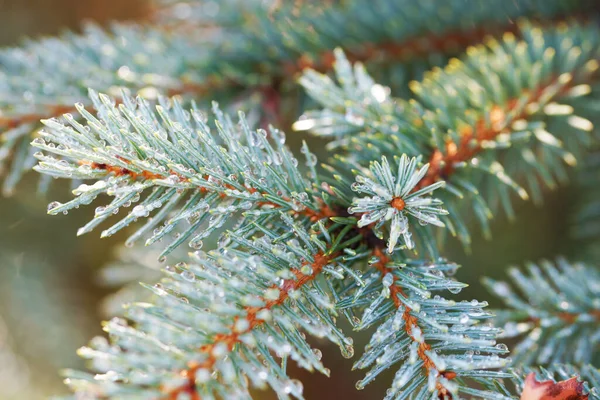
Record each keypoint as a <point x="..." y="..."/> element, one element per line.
<point x="414" y="47"/>
<point x="313" y="214"/>
<point x="233" y="338"/>
<point x="16" y="121"/>
<point x="442" y="163"/>
<point x="566" y="317"/>
<point x="53" y="111"/>
<point x="410" y="320"/>
<point x="410" y="48"/>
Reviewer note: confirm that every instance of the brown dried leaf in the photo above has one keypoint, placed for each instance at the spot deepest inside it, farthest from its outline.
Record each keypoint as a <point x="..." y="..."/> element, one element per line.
<point x="570" y="389"/>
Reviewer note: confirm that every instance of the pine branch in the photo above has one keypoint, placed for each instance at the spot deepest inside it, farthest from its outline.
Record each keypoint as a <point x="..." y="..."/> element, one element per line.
<point x="417" y="206"/>
<point x="192" y="174"/>
<point x="96" y="59"/>
<point x="539" y="97"/>
<point x="411" y="325"/>
<point x="44" y="79"/>
<point x="435" y="339"/>
<point x="251" y="321"/>
<point x="479" y="133"/>
<point x="394" y="197"/>
<point x="171" y="64"/>
<point x="218" y="319"/>
<point x="232" y="318"/>
<point x="470" y="108"/>
<point x="556" y="302"/>
<point x="404" y="36"/>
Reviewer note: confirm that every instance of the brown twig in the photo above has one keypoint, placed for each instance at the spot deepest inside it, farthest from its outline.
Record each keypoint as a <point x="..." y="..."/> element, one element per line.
<point x="54" y="111"/>
<point x="314" y="214"/>
<point x="232" y="339"/>
<point x="410" y="321"/>
<point x="566" y="317"/>
<point x="442" y="163"/>
<point x="288" y="71"/>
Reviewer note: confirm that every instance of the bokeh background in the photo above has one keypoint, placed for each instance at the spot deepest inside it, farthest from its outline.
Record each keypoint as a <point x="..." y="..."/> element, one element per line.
<point x="49" y="295"/>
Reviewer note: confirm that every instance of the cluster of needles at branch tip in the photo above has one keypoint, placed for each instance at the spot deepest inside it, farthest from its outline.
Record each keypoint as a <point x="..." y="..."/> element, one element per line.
<point x="392" y="196"/>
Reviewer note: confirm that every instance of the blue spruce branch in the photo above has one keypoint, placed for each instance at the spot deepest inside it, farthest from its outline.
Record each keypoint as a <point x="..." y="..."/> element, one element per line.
<point x="299" y="246"/>
<point x="556" y="301"/>
<point x="173" y="158"/>
<point x="474" y="119"/>
<point x="160" y="60"/>
<point x="220" y="317"/>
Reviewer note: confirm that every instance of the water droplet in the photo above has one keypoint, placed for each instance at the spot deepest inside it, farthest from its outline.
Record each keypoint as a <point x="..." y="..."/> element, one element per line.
<point x="140" y="211"/>
<point x="196" y="244"/>
<point x="84" y="169"/>
<point x="188" y="275"/>
<point x="348" y="351"/>
<point x="502" y="347"/>
<point x="318" y="354"/>
<point x="306" y="270"/>
<point x="311" y="160"/>
<point x="388" y="280"/>
<point x="454" y="290"/>
<point x="54" y="205"/>
<point x="298" y="385"/>
<point x="170" y="268"/>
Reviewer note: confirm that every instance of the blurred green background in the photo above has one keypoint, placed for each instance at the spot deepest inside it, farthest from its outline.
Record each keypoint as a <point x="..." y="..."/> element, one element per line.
<point x="48" y="293"/>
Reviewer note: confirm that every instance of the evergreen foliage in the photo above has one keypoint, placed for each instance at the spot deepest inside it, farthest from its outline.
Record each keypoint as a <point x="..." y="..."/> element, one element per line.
<point x="558" y="301"/>
<point x="95" y="59"/>
<point x="230" y="49"/>
<point x="441" y="343"/>
<point x="185" y="171"/>
<point x="296" y="244"/>
<point x="226" y="314"/>
<point x="477" y="118"/>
